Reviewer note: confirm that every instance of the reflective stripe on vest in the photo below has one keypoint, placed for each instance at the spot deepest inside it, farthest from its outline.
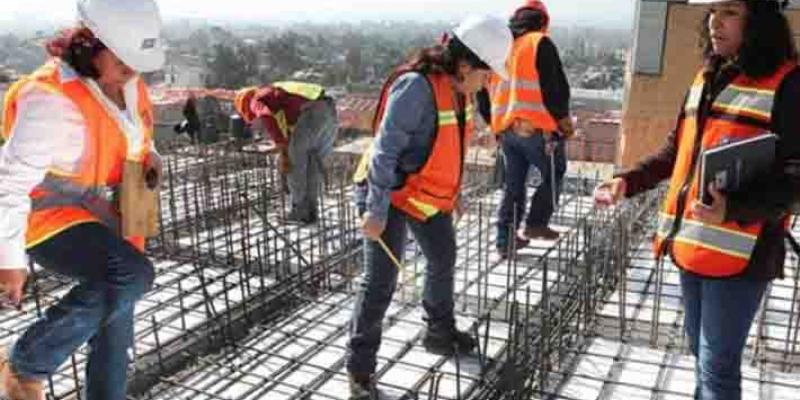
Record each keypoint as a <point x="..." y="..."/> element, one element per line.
<point x="309" y="91"/>
<point x="742" y="110"/>
<point x="727" y="241"/>
<point x="521" y="96"/>
<point x="737" y="99"/>
<point x="66" y="198"/>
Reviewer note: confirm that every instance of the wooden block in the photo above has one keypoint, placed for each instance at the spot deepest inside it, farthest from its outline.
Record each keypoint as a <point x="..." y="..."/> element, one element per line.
<point x="139" y="206"/>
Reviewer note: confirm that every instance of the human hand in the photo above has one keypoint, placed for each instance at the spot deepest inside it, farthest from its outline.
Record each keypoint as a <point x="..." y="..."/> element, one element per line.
<point x="371" y="226"/>
<point x="610" y="193"/>
<point x="713" y="214"/>
<point x="153" y="170"/>
<point x="12" y="284"/>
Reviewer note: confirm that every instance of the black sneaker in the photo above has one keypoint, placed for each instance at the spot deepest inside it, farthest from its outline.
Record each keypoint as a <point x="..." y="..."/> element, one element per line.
<point x="362" y="387"/>
<point x="446" y="342"/>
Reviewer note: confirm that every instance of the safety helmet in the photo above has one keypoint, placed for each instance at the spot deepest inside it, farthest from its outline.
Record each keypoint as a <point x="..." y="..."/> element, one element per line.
<point x="537" y="5"/>
<point x="131" y="29"/>
<point x="489" y="38"/>
<point x="242" y="103"/>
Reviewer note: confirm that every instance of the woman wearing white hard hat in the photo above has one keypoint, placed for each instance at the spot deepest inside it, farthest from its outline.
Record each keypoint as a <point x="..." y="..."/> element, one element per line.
<point x="728" y="245"/>
<point x="70" y="127"/>
<point x="411" y="179"/>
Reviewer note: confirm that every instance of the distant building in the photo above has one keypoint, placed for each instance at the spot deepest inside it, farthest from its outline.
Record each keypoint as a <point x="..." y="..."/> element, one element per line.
<point x="185" y="71"/>
<point x="599" y="137"/>
<point x="356" y="111"/>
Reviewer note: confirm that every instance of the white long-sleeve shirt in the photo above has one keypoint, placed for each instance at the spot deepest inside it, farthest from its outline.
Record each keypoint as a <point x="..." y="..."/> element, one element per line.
<point x="48" y="133"/>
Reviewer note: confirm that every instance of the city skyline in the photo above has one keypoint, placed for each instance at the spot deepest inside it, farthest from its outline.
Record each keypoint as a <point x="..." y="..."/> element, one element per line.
<point x="605" y="13"/>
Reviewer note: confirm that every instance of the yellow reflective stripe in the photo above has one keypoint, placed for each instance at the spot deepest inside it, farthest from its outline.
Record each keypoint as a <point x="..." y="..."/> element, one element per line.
<point x="717" y="238"/>
<point x="763" y="92"/>
<point x="283" y="124"/>
<point x="447" y="118"/>
<point x="754" y="101"/>
<point x="426" y="209"/>
<point x="694" y="242"/>
<point x="310" y="91"/>
<point x="450" y="117"/>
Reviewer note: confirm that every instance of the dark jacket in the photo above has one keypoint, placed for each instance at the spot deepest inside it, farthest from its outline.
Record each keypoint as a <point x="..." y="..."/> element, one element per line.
<point x="766" y="200"/>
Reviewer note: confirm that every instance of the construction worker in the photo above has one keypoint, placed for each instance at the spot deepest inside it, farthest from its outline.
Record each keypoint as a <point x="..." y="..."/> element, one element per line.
<point x="530" y="115"/>
<point x="191" y="124"/>
<point x="411" y="178"/>
<point x="729" y="250"/>
<point x="301" y="120"/>
<point x="70" y="127"/>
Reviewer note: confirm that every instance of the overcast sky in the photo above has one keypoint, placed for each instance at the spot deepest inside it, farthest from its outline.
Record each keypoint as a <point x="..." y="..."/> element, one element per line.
<point x="607" y="13"/>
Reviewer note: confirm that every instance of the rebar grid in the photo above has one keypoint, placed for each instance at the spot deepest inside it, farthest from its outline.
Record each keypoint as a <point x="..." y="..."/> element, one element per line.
<point x="247" y="306"/>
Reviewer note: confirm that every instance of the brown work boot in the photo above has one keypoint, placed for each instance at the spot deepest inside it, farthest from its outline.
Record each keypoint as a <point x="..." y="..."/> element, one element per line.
<point x="540" y="232"/>
<point x="504" y="251"/>
<point x="15" y="387"/>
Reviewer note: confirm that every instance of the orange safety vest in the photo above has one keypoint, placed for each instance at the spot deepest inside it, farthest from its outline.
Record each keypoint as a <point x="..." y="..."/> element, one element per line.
<point x="742" y="110"/>
<point x="521" y="97"/>
<point x="436" y="186"/>
<point x="68" y="198"/>
<point x="438" y="183"/>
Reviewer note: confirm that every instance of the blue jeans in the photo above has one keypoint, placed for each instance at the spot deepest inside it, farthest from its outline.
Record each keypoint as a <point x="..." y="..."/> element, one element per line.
<point x="436" y="239"/>
<point x="520" y="154"/>
<point x="112" y="275"/>
<point x="311" y="142"/>
<point x="719" y="313"/>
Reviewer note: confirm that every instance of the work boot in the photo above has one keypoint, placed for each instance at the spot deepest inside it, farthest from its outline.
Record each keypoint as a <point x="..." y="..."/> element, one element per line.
<point x="540" y="232"/>
<point x="301" y="217"/>
<point x="447" y="341"/>
<point x="362" y="387"/>
<point x="504" y="251"/>
<point x="15" y="387"/>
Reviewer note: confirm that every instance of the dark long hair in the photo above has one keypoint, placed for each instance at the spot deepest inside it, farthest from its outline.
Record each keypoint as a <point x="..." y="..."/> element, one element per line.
<point x="78" y="47"/>
<point x="443" y="58"/>
<point x="768" y="41"/>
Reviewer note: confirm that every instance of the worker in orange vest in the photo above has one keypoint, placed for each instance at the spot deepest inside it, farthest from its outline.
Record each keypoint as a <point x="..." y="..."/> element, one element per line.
<point x="411" y="179"/>
<point x="728" y="249"/>
<point x="301" y="120"/>
<point x="71" y="127"/>
<point x="530" y="116"/>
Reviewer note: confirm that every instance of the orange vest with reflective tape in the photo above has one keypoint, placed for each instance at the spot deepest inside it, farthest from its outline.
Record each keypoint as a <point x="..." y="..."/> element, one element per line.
<point x="521" y="96"/>
<point x="438" y="183"/>
<point x="68" y="198"/>
<point x="742" y="110"/>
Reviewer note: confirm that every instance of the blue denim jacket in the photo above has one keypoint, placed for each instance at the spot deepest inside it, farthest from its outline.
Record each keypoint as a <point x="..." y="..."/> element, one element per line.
<point x="403" y="142"/>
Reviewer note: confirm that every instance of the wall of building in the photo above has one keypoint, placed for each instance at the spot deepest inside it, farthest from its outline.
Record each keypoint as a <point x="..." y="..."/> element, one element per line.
<point x="652" y="100"/>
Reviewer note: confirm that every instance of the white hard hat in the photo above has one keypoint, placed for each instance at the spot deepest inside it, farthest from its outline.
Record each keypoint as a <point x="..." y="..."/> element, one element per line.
<point x="131" y="29"/>
<point x="489" y="38"/>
